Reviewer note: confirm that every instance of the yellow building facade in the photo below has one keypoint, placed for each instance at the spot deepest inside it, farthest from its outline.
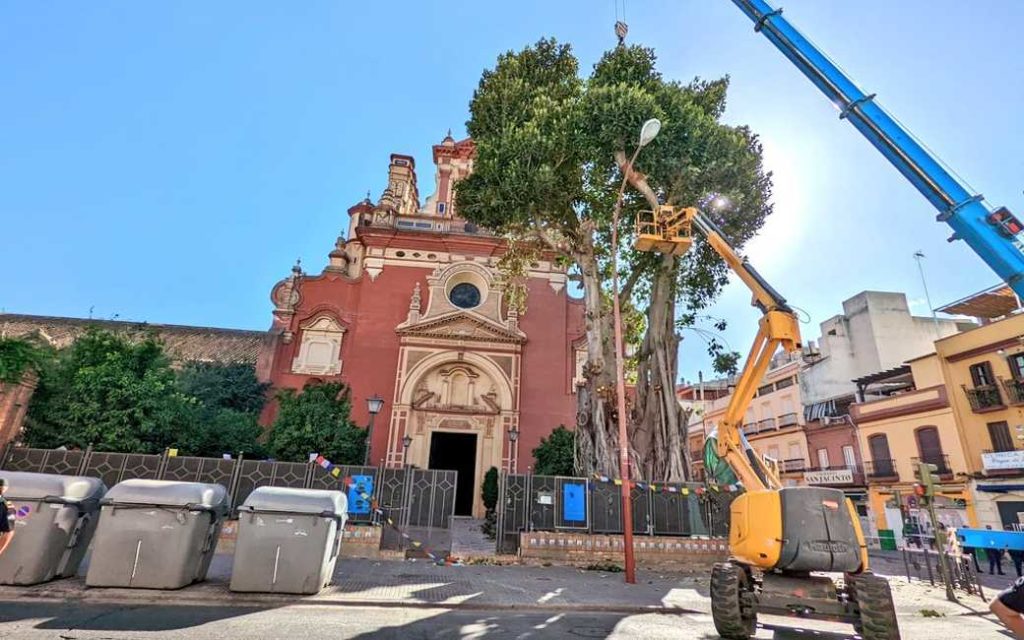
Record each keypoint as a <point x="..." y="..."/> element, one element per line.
<point x="964" y="413"/>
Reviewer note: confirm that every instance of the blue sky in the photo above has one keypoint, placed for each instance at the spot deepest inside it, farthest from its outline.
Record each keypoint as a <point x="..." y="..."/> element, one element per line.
<point x="168" y="162"/>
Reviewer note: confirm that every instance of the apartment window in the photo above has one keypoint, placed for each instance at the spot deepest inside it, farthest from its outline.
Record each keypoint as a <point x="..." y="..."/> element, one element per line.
<point x="928" y="444"/>
<point x="765" y="389"/>
<point x="981" y="374"/>
<point x="794" y="451"/>
<point x="773" y="452"/>
<point x="879" y="445"/>
<point x="766" y="411"/>
<point x="999" y="432"/>
<point x="785" y="382"/>
<point x="823" y="458"/>
<point x="787" y="406"/>
<point x="1016" y="362"/>
<point x="849" y="457"/>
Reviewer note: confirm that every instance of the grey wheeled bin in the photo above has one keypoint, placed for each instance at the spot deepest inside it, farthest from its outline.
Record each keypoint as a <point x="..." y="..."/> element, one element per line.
<point x="55" y="517"/>
<point x="155" y="534"/>
<point x="288" y="540"/>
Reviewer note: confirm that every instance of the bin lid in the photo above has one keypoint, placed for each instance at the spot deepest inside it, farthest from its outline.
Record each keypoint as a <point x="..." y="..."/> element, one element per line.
<point x="297" y="500"/>
<point x="167" y="492"/>
<point x="29" y="486"/>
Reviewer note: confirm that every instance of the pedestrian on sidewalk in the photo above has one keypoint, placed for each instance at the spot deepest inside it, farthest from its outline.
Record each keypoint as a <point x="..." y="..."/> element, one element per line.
<point x="1008" y="606"/>
<point x="995" y="558"/>
<point x="6" y="519"/>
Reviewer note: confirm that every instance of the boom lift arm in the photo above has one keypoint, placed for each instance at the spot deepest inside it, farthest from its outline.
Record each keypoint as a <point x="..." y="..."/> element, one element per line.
<point x="997" y="236"/>
<point x="669" y="229"/>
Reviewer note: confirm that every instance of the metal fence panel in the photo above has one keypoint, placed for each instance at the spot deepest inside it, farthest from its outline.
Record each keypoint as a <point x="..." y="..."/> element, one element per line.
<point x="21" y="459"/>
<point x="260" y="473"/>
<point x="141" y="465"/>
<point x="106" y="466"/>
<point x="513" y="509"/>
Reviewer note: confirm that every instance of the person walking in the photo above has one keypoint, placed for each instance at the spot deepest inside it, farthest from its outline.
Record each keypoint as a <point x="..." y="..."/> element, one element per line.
<point x="6" y="519"/>
<point x="995" y="558"/>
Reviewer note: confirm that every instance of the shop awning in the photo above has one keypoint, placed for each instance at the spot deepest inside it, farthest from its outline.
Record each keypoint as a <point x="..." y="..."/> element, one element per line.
<point x="1000" y="488"/>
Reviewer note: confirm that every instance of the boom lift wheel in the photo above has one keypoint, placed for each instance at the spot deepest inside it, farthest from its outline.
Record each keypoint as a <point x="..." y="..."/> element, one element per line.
<point x="873" y="598"/>
<point x="733" y="603"/>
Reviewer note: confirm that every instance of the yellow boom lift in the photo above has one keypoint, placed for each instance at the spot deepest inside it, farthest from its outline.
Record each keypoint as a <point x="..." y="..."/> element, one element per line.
<point x="778" y="535"/>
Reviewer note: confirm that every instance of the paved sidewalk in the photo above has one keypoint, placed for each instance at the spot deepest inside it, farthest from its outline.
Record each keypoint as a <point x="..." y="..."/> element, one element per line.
<point x="422" y="583"/>
<point x="412" y="583"/>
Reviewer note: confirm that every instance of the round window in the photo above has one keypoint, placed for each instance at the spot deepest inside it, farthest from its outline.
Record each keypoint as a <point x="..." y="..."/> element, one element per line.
<point x="464" y="295"/>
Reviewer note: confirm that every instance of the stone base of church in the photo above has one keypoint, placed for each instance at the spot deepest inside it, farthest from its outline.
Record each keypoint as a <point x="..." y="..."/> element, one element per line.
<point x="686" y="555"/>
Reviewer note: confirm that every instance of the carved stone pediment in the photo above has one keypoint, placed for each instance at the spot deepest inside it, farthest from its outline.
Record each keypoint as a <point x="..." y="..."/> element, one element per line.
<point x="462" y="325"/>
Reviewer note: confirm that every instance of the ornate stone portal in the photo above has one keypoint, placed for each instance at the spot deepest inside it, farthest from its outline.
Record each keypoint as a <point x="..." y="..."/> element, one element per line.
<point x="458" y="373"/>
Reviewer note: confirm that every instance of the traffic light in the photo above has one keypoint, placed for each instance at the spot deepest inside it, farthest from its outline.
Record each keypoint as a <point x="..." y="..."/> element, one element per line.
<point x="1005" y="222"/>
<point x="926" y="474"/>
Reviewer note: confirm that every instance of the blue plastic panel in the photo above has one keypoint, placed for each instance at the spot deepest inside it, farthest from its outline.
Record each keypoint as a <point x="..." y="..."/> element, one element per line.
<point x="991" y="539"/>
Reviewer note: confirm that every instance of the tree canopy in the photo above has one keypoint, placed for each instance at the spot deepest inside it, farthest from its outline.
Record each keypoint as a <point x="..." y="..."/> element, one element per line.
<point x="119" y="392"/>
<point x="317" y="421"/>
<point x="551" y="151"/>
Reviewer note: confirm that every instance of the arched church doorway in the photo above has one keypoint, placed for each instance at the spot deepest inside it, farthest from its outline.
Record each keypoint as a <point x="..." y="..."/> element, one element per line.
<point x="456" y="452"/>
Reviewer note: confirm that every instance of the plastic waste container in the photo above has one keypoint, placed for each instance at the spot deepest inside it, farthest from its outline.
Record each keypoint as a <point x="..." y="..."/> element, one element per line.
<point x="55" y="517"/>
<point x="288" y="540"/>
<point x="155" y="534"/>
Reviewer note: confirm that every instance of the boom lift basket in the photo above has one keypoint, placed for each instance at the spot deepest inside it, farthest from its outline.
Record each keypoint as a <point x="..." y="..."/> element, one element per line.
<point x="664" y="230"/>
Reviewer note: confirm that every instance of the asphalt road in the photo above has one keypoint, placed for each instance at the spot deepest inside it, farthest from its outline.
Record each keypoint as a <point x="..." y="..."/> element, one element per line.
<point x="39" y="620"/>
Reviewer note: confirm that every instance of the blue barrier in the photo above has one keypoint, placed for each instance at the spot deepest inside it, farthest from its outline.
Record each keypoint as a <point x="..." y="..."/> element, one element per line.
<point x="991" y="539"/>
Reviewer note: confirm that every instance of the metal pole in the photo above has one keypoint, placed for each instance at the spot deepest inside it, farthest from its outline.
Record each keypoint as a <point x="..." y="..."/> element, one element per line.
<point x="620" y="389"/>
<point x="369" y="440"/>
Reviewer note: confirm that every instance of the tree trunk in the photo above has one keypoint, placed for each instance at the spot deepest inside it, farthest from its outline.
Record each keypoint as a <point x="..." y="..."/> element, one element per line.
<point x="660" y="437"/>
<point x="596" y="426"/>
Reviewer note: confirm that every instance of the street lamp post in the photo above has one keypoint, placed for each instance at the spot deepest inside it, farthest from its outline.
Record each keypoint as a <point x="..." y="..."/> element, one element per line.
<point x="373" y="404"/>
<point x="406" y="441"/>
<point x="647" y="133"/>
<point x="513" y="436"/>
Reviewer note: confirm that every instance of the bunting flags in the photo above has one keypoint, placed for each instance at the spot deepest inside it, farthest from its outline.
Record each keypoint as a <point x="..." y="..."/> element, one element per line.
<point x="668" y="488"/>
<point x="346" y="482"/>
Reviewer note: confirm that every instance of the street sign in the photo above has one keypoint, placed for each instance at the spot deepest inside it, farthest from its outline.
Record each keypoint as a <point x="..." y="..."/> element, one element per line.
<point x="831" y="476"/>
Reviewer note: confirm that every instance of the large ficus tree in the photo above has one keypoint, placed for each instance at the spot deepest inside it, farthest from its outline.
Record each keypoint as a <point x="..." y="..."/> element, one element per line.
<point x="552" y="149"/>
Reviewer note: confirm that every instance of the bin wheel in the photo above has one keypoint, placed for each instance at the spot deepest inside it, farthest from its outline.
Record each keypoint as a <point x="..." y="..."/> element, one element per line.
<point x="876" y="610"/>
<point x="733" y="604"/>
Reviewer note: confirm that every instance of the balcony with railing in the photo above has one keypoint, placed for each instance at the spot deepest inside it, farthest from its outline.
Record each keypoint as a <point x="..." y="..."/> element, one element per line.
<point x="941" y="461"/>
<point x="768" y="424"/>
<point x="792" y="465"/>
<point x="984" y="398"/>
<point x="788" y="420"/>
<point x="1014" y="391"/>
<point x="881" y="470"/>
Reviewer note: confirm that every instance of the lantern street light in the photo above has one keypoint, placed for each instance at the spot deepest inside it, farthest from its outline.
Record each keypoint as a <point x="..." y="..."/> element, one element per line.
<point x="373" y="405"/>
<point x="513" y="436"/>
<point x="406" y="442"/>
<point x="647" y="133"/>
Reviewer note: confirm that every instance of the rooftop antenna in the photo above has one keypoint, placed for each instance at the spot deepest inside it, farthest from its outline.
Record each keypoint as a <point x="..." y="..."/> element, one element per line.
<point x="918" y="256"/>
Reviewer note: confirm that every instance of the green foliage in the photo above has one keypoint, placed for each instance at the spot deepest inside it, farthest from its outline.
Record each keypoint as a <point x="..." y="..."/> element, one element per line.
<point x="546" y="171"/>
<point x="489" y="489"/>
<point x="489" y="492"/>
<point x="118" y="392"/>
<point x="727" y="362"/>
<point x="317" y="420"/>
<point x="113" y="393"/>
<point x="555" y="455"/>
<point x="224" y="385"/>
<point x="20" y="355"/>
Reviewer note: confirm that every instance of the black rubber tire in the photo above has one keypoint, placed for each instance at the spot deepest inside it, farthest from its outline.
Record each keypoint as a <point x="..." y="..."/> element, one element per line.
<point x="733" y="606"/>
<point x="877" y="612"/>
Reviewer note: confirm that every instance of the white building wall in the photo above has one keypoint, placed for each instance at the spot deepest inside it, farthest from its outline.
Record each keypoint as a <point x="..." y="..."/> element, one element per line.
<point x="875" y="332"/>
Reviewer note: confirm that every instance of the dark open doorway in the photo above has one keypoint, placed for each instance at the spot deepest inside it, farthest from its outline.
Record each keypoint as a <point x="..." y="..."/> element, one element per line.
<point x="457" y="452"/>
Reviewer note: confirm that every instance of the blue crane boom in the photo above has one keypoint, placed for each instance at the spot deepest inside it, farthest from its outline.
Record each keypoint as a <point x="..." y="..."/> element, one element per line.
<point x="997" y="236"/>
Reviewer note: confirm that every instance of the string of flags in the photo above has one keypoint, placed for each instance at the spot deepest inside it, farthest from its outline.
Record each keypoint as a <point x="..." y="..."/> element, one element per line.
<point x="668" y="488"/>
<point x="336" y="470"/>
